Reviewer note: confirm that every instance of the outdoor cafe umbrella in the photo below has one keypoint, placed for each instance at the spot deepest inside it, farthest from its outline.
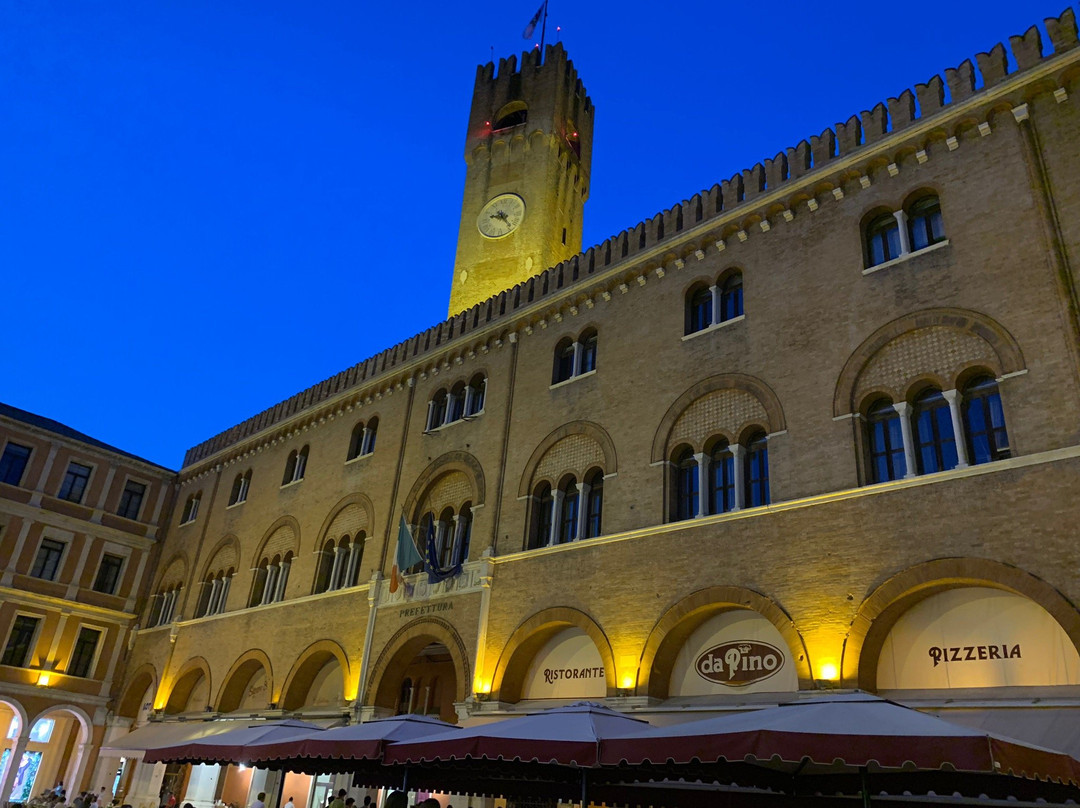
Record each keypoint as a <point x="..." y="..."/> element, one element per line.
<point x="851" y="743"/>
<point x="342" y="748"/>
<point x="545" y="753"/>
<point x="231" y="746"/>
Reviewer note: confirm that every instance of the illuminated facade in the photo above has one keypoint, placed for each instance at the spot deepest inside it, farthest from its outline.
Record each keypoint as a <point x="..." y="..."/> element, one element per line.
<point x="816" y="427"/>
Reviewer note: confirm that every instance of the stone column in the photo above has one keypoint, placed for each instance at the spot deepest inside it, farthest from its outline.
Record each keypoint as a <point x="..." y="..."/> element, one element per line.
<point x="953" y="397"/>
<point x="903" y="409"/>
<point x="557" y="497"/>
<point x="202" y="785"/>
<point x="223" y="599"/>
<point x="715" y="291"/>
<point x="905" y="237"/>
<point x="578" y="349"/>
<point x="13" y="764"/>
<point x="738" y="465"/>
<point x="335" y="570"/>
<point x="458" y="533"/>
<point x="282" y="580"/>
<point x="582" y="509"/>
<point x="145" y="790"/>
<point x="702" y="460"/>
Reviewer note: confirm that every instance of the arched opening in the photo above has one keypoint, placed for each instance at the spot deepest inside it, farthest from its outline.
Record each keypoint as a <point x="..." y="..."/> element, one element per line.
<point x="190" y="693"/>
<point x="317" y="681"/>
<point x="428" y="684"/>
<point x="247" y="688"/>
<point x="424" y="670"/>
<point x="54" y="751"/>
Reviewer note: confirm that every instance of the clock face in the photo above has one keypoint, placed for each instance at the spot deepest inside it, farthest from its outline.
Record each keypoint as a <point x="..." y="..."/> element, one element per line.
<point x="501" y="216"/>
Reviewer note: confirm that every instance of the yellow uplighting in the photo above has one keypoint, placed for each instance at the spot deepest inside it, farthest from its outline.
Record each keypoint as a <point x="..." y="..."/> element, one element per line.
<point x="481" y="686"/>
<point x="43" y="679"/>
<point x="627" y="681"/>
<point x="828" y="671"/>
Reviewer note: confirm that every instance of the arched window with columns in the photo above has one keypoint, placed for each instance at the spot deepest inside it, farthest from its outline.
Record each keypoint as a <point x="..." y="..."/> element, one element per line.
<point x="543" y="503"/>
<point x="463" y="401"/>
<point x="215" y="593"/>
<point x="687" y="485"/>
<point x="362" y="440"/>
<point x="721" y="478"/>
<point x="756" y="470"/>
<point x="271" y="578"/>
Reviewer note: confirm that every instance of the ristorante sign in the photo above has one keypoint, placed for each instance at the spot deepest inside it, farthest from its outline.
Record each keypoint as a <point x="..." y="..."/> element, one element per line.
<point x="739" y="663"/>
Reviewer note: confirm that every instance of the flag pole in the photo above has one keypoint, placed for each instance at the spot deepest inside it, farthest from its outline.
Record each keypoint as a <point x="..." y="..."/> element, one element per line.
<point x="543" y="32"/>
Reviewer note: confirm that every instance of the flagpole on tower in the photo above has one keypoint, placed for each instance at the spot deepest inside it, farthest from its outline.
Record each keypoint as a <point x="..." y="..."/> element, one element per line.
<point x="543" y="32"/>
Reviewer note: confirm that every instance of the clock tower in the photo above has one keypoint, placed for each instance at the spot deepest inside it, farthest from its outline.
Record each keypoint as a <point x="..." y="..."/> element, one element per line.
<point x="527" y="155"/>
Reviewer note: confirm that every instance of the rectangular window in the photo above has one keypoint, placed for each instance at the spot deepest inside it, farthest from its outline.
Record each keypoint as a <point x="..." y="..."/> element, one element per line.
<point x="74" y="485"/>
<point x="47" y="563"/>
<point x="108" y="574"/>
<point x="20" y="641"/>
<point x="82" y="655"/>
<point x="131" y="500"/>
<point x="13" y="463"/>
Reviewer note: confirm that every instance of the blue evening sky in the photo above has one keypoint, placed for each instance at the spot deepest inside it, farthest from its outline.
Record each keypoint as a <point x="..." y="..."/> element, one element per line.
<point x="206" y="207"/>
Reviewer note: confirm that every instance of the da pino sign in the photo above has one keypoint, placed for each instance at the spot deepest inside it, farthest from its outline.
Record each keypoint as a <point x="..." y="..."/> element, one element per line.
<point x="739" y="663"/>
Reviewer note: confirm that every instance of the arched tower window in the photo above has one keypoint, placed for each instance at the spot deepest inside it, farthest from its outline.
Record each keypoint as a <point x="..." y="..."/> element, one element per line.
<point x="594" y="504"/>
<point x="925" y="226"/>
<point x="543" y="504"/>
<point x="882" y="238"/>
<point x="568" y="510"/>
<point x="699" y="309"/>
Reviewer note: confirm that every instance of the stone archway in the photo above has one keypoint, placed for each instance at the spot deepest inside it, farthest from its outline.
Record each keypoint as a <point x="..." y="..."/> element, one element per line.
<point x="429" y="648"/>
<point x="66" y="749"/>
<point x="252" y="668"/>
<point x="316" y="667"/>
<point x="680" y="621"/>
<point x="190" y="690"/>
<point x="509" y="678"/>
<point x="886" y="604"/>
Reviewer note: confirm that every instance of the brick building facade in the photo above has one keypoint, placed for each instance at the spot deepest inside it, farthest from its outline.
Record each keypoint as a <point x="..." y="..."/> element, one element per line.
<point x="814" y="428"/>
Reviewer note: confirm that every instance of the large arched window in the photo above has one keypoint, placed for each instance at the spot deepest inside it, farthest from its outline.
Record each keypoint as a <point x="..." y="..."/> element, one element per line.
<point x="882" y="239"/>
<point x="721" y="478"/>
<point x="455" y="403"/>
<point x="756" y="470"/>
<point x="437" y="410"/>
<point x="325" y="567"/>
<point x="513" y="114"/>
<point x="885" y="441"/>
<point x="925" y="226"/>
<point x="935" y="442"/>
<point x="984" y="421"/>
<point x="687" y="488"/>
<point x="731" y="298"/>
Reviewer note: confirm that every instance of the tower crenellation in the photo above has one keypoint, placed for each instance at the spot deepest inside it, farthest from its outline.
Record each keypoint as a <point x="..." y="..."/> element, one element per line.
<point x="528" y="150"/>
